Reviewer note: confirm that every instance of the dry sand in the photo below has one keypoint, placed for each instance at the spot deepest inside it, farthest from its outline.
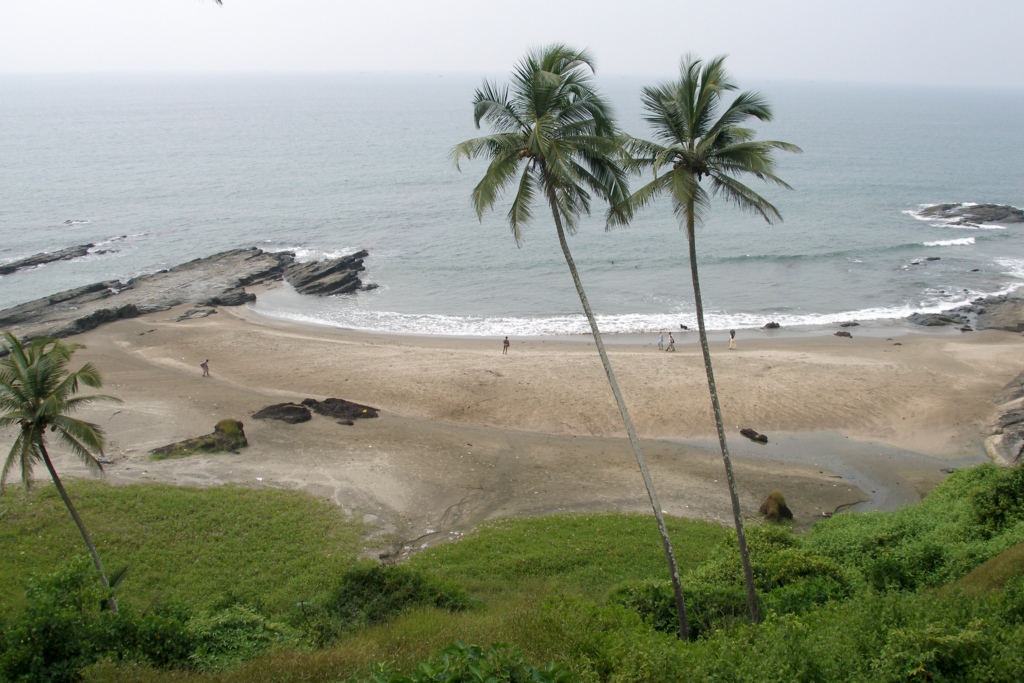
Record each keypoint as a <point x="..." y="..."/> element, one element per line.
<point x="467" y="433"/>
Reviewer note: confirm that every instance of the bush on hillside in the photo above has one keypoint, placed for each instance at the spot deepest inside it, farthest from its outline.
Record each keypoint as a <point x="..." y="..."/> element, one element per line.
<point x="232" y="635"/>
<point x="63" y="629"/>
<point x="976" y="514"/>
<point x="370" y="594"/>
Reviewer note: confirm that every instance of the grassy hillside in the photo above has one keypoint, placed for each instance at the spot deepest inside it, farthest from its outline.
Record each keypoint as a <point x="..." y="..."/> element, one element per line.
<point x="199" y="547"/>
<point x="934" y="592"/>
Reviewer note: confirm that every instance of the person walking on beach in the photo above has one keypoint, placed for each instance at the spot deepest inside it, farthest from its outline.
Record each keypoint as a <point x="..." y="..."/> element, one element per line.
<point x="661" y="340"/>
<point x="504" y="347"/>
<point x="205" y="365"/>
<point x="671" y="342"/>
<point x="732" y="340"/>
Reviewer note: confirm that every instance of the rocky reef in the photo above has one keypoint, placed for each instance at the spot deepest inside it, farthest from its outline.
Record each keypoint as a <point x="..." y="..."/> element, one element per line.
<point x="991" y="313"/>
<point x="218" y="280"/>
<point x="48" y="257"/>
<point x="974" y="214"/>
<point x="227" y="437"/>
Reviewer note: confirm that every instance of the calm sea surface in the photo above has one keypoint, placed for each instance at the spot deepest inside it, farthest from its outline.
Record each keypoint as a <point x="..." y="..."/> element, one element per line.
<point x="161" y="170"/>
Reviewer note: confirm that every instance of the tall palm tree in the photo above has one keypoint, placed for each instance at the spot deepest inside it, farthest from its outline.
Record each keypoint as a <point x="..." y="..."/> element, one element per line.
<point x="703" y="153"/>
<point x="38" y="393"/>
<point x="553" y="136"/>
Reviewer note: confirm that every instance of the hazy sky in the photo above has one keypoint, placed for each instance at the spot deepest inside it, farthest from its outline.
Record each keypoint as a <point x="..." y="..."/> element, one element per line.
<point x="883" y="41"/>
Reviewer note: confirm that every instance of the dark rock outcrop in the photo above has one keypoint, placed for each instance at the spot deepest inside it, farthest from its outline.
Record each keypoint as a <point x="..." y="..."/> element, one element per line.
<point x="324" y="278"/>
<point x="975" y="215"/>
<point x="754" y="436"/>
<point x="292" y="413"/>
<point x="849" y="324"/>
<point x="339" y="409"/>
<point x="195" y="314"/>
<point x="218" y="280"/>
<point x="774" y="508"/>
<point x="844" y="333"/>
<point x="227" y="437"/>
<point x="39" y="259"/>
<point x="992" y="313"/>
<point x="771" y="326"/>
<point x="1006" y="444"/>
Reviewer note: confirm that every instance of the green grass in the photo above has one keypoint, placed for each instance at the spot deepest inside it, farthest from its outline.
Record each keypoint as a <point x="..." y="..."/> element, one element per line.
<point x="996" y="573"/>
<point x="543" y="583"/>
<point x="198" y="547"/>
<point x="580" y="553"/>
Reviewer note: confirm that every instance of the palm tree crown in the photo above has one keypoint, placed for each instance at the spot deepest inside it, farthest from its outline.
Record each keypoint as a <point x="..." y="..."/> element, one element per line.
<point x="694" y="143"/>
<point x="552" y="124"/>
<point x="37" y="393"/>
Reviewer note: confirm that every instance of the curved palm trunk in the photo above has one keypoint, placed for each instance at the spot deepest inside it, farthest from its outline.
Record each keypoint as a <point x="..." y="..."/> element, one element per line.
<point x="748" y="573"/>
<point x="81" y="526"/>
<point x="684" y="628"/>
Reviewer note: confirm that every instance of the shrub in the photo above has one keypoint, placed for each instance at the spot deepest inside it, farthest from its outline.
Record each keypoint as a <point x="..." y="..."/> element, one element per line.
<point x="372" y="593"/>
<point x="707" y="607"/>
<point x="229" y="636"/>
<point x="63" y="629"/>
<point x="1000" y="502"/>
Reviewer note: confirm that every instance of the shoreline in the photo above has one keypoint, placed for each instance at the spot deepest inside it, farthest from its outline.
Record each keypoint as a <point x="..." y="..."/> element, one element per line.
<point x="467" y="434"/>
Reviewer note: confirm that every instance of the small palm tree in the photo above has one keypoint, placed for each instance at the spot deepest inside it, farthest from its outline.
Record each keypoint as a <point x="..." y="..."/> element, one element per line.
<point x="702" y="153"/>
<point x="553" y="139"/>
<point x="38" y="393"/>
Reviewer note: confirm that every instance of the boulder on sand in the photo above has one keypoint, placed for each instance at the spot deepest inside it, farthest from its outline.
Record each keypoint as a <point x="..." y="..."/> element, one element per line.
<point x="844" y="333"/>
<point x="774" y="508"/>
<point x="339" y="408"/>
<point x="227" y="437"/>
<point x="771" y="326"/>
<point x="292" y="413"/>
<point x="754" y="436"/>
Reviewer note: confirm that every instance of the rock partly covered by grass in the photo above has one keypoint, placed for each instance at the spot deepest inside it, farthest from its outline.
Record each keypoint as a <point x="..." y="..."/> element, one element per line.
<point x="227" y="437"/>
<point x="774" y="508"/>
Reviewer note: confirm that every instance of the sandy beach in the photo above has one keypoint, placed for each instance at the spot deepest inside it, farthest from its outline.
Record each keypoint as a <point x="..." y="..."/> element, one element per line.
<point x="468" y="434"/>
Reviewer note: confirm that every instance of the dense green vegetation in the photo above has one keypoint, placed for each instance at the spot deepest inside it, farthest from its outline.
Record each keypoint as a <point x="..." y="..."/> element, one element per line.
<point x="932" y="592"/>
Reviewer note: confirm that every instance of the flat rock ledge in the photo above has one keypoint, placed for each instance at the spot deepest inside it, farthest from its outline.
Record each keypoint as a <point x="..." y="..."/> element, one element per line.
<point x="1006" y="444"/>
<point x="218" y="280"/>
<point x="1002" y="312"/>
<point x="46" y="257"/>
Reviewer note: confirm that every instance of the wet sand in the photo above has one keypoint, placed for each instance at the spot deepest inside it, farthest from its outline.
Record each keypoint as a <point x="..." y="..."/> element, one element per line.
<point x="468" y="434"/>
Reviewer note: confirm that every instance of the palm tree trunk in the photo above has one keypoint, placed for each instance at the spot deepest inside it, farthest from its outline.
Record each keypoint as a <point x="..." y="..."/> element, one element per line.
<point x="81" y="526"/>
<point x="748" y="573"/>
<point x="684" y="628"/>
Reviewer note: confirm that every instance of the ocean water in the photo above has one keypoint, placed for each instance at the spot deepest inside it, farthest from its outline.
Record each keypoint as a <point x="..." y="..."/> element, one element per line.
<point x="158" y="170"/>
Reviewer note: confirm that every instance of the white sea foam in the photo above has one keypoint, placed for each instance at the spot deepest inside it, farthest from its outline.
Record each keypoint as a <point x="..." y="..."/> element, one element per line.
<point x="962" y="242"/>
<point x="307" y="254"/>
<point x="354" y="315"/>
